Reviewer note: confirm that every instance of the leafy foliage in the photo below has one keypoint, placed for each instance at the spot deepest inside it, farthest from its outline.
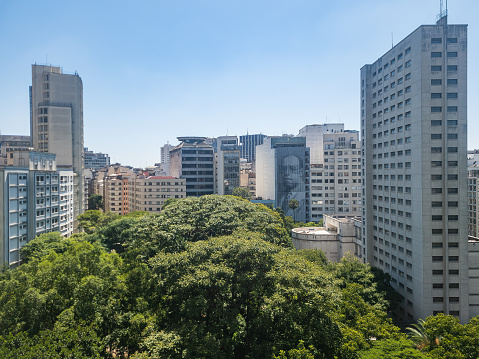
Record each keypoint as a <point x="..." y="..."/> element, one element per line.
<point x="95" y="202"/>
<point x="209" y="277"/>
<point x="93" y="219"/>
<point x="242" y="192"/>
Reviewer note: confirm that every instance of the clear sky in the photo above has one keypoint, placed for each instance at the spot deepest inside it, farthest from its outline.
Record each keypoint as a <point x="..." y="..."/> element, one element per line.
<point x="155" y="70"/>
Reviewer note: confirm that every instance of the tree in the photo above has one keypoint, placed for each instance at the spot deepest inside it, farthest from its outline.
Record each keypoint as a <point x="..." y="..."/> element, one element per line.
<point x="92" y="219"/>
<point x="242" y="192"/>
<point x="293" y="204"/>
<point x="234" y="298"/>
<point x="392" y="349"/>
<point x="95" y="201"/>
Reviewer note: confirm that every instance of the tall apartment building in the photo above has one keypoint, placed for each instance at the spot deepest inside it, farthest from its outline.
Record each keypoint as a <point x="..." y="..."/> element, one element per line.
<point x="150" y="193"/>
<point x="414" y="183"/>
<point x="165" y="153"/>
<point x="37" y="198"/>
<point x="336" y="184"/>
<point x="248" y="145"/>
<point x="282" y="174"/>
<point x="227" y="164"/>
<point x="314" y="138"/>
<point x="194" y="160"/>
<point x="56" y="122"/>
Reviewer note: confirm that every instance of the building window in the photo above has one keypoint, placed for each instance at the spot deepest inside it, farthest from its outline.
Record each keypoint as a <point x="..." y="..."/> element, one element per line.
<point x="436" y="68"/>
<point x="436" y="54"/>
<point x="436" y="109"/>
<point x="436" y="122"/>
<point x="452" y="95"/>
<point x="451" y="54"/>
<point x="452" y="81"/>
<point x="451" y="67"/>
<point x="436" y="82"/>
<point x="436" y="95"/>
<point x="436" y="40"/>
<point x="451" y="108"/>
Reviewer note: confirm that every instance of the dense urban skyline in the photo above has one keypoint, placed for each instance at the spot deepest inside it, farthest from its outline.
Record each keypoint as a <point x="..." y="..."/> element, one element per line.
<point x="157" y="70"/>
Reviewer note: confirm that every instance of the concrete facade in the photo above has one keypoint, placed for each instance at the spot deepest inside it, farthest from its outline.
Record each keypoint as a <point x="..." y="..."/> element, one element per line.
<point x="149" y="194"/>
<point x="314" y="138"/>
<point x="36" y="198"/>
<point x="339" y="235"/>
<point x="336" y="184"/>
<point x="414" y="184"/>
<point x="11" y="143"/>
<point x="56" y="122"/>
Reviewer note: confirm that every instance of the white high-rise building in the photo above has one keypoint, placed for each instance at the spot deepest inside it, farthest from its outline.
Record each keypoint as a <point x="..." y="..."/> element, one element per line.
<point x="414" y="171"/>
<point x="314" y="138"/>
<point x="56" y="122"/>
<point x="336" y="184"/>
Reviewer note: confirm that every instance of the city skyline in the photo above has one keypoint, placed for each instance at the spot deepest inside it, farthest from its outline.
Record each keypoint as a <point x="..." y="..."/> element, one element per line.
<point x="208" y="67"/>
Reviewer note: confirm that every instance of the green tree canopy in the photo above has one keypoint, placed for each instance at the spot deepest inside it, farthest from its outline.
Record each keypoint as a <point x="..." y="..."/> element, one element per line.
<point x="93" y="219"/>
<point x="95" y="202"/>
<point x="242" y="192"/>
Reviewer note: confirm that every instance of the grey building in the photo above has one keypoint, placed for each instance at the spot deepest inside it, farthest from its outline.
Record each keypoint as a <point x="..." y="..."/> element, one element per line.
<point x="227" y="164"/>
<point x="282" y="174"/>
<point x="248" y="145"/>
<point x="414" y="172"/>
<point x="56" y="122"/>
<point x="194" y="160"/>
<point x="96" y="159"/>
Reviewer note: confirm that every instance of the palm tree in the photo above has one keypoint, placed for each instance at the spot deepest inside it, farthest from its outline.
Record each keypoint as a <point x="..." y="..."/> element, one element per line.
<point x="418" y="334"/>
<point x="293" y="204"/>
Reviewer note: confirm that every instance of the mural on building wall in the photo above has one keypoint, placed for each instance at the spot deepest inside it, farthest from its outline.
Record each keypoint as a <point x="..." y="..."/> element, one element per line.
<point x="290" y="177"/>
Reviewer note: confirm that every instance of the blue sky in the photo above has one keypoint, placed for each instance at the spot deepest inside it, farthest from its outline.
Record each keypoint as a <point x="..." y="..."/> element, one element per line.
<point x="156" y="70"/>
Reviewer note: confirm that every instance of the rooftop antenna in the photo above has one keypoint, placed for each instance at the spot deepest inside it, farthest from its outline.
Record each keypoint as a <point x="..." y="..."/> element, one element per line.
<point x="442" y="11"/>
<point x="392" y="40"/>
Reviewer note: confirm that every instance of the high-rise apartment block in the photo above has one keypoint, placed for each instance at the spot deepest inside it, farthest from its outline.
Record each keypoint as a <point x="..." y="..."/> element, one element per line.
<point x="336" y="182"/>
<point x="56" y="121"/>
<point x="165" y="153"/>
<point x="37" y="198"/>
<point x="414" y="182"/>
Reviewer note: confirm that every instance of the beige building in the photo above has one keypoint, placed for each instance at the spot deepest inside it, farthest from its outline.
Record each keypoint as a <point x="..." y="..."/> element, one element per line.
<point x="11" y="143"/>
<point x="150" y="193"/>
<point x="339" y="236"/>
